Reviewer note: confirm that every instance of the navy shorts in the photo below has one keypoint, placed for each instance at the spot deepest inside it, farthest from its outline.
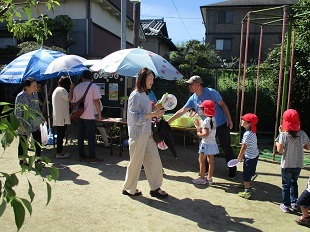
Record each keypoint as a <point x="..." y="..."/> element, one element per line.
<point x="304" y="199"/>
<point x="249" y="168"/>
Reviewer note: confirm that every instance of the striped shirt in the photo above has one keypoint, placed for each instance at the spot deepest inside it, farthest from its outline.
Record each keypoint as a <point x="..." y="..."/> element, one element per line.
<point x="32" y="101"/>
<point x="293" y="153"/>
<point x="250" y="139"/>
<point x="139" y="105"/>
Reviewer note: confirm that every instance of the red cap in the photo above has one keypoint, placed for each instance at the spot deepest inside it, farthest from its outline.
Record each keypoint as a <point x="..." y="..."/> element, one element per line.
<point x="251" y="118"/>
<point x="209" y="108"/>
<point x="290" y="121"/>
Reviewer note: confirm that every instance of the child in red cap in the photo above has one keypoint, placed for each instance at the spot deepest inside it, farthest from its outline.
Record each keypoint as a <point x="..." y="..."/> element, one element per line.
<point x="248" y="152"/>
<point x="290" y="143"/>
<point x="208" y="146"/>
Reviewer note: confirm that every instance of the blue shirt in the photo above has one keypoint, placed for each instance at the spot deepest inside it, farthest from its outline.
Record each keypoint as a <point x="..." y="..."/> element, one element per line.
<point x="208" y="94"/>
<point x="152" y="97"/>
<point x="138" y="106"/>
<point x="250" y="139"/>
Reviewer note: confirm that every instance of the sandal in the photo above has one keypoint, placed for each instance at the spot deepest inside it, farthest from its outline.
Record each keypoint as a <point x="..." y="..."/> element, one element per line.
<point x="137" y="193"/>
<point x="303" y="221"/>
<point x="158" y="193"/>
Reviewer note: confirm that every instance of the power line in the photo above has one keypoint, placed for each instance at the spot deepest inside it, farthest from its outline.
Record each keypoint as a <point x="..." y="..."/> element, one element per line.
<point x="181" y="19"/>
<point x="156" y="16"/>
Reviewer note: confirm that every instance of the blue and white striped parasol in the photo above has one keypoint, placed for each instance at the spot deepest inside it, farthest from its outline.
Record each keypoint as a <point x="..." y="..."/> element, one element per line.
<point x="32" y="64"/>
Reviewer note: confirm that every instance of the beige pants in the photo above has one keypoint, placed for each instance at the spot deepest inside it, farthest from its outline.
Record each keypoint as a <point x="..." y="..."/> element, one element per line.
<point x="143" y="150"/>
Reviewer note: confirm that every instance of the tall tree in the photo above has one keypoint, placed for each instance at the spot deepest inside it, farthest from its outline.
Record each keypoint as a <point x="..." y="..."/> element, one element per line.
<point x="20" y="20"/>
<point x="193" y="57"/>
<point x="301" y="72"/>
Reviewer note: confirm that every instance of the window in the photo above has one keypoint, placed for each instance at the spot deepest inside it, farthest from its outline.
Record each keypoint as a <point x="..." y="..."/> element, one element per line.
<point x="225" y="17"/>
<point x="4" y="42"/>
<point x="223" y="44"/>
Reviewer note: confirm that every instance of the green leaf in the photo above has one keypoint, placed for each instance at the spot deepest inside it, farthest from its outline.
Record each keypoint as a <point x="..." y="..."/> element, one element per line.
<point x="7" y="109"/>
<point x="11" y="181"/>
<point x="14" y="122"/>
<point x="7" y="139"/>
<point x="27" y="11"/>
<point x="27" y="205"/>
<point x="49" y="192"/>
<point x="19" y="213"/>
<point x="55" y="172"/>
<point x="45" y="159"/>
<point x="3" y="126"/>
<point x="49" y="177"/>
<point x="30" y="191"/>
<point x="17" y="14"/>
<point x="2" y="207"/>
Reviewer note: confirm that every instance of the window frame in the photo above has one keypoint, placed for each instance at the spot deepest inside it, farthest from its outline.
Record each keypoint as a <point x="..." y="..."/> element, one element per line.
<point x="223" y="45"/>
<point x="225" y="17"/>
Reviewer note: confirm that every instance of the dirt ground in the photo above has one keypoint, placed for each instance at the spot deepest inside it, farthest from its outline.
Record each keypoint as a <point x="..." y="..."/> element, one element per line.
<point x="88" y="197"/>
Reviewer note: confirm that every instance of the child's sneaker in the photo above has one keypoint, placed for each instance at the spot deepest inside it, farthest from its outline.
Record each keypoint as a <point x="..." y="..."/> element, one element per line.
<point x="199" y="180"/>
<point x="284" y="208"/>
<point x="245" y="195"/>
<point x="210" y="181"/>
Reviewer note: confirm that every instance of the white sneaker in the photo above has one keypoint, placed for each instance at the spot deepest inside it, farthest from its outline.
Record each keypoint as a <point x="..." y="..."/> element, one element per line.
<point x="210" y="180"/>
<point x="199" y="180"/>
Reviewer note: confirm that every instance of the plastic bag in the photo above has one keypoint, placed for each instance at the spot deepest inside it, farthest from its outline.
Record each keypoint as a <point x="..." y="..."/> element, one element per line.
<point x="44" y="135"/>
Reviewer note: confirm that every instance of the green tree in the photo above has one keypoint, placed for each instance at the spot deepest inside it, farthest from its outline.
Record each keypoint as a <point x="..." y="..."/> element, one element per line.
<point x="301" y="72"/>
<point x="193" y="57"/>
<point x="13" y="15"/>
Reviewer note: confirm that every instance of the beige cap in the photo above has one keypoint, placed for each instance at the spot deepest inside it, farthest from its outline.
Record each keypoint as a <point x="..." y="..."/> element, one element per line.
<point x="194" y="79"/>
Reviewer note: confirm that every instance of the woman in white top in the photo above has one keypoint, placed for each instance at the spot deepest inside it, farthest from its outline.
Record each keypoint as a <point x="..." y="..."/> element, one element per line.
<point x="61" y="97"/>
<point x="142" y="147"/>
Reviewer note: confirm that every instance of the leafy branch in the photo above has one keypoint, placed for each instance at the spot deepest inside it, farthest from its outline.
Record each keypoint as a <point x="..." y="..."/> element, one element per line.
<point x="9" y="124"/>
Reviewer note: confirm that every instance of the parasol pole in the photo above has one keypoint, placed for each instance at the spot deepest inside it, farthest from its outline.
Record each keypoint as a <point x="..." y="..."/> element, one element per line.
<point x="48" y="110"/>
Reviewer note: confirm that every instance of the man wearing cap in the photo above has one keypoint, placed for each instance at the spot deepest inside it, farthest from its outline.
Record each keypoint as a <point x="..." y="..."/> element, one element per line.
<point x="222" y="116"/>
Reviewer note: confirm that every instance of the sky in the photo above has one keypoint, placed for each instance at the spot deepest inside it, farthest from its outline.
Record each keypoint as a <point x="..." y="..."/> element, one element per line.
<point x="183" y="17"/>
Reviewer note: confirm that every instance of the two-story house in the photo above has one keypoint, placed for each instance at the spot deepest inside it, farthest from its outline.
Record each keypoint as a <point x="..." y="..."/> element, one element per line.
<point x="223" y="20"/>
<point x="156" y="37"/>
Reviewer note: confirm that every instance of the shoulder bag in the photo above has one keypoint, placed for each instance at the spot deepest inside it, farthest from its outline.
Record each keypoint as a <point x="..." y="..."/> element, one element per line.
<point x="78" y="107"/>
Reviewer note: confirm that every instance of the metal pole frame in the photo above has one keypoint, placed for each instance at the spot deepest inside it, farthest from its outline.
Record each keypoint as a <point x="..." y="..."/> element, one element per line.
<point x="280" y="82"/>
<point x="258" y="67"/>
<point x="245" y="63"/>
<point x="239" y="75"/>
<point x="291" y="71"/>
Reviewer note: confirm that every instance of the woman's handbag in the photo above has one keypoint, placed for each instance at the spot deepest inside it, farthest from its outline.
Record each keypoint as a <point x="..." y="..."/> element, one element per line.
<point x="78" y="107"/>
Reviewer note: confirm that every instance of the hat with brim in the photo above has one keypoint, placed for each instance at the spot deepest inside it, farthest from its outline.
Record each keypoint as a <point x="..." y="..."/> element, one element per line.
<point x="290" y="121"/>
<point x="194" y="79"/>
<point x="251" y="118"/>
<point x="209" y="108"/>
